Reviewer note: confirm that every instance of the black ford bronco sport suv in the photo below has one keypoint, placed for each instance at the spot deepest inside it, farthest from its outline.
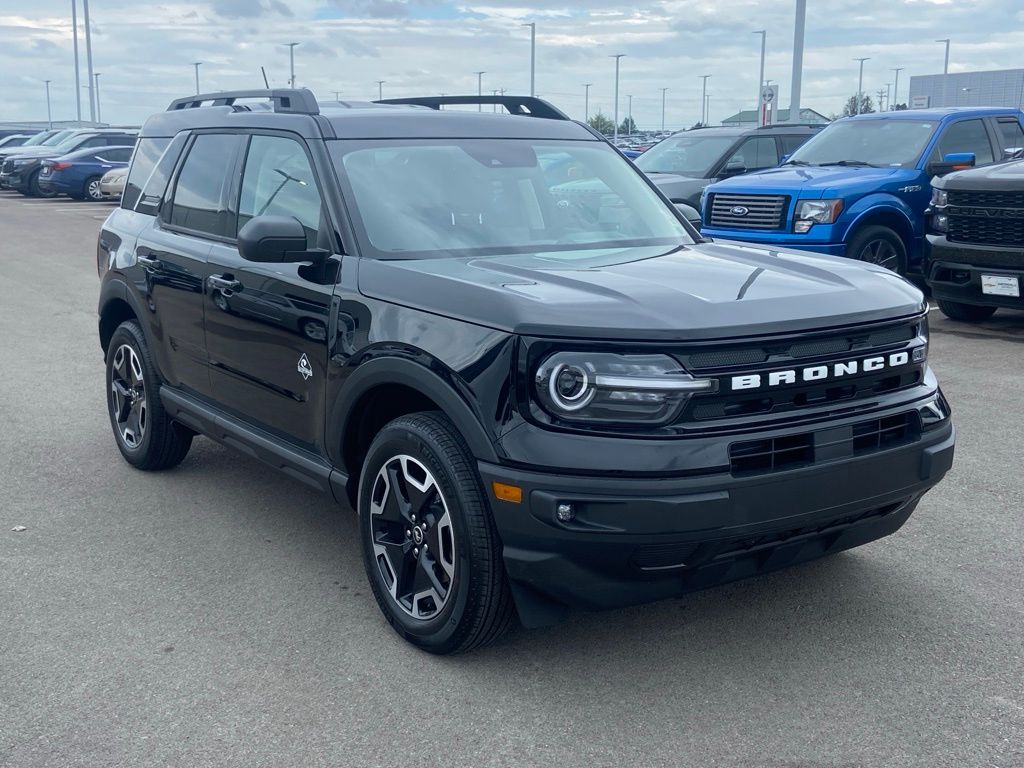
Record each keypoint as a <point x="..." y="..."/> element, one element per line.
<point x="535" y="397"/>
<point x="976" y="241"/>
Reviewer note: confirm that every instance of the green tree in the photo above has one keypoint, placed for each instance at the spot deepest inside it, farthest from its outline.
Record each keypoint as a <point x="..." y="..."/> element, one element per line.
<point x="866" y="105"/>
<point x="628" y="127"/>
<point x="698" y="124"/>
<point x="601" y="123"/>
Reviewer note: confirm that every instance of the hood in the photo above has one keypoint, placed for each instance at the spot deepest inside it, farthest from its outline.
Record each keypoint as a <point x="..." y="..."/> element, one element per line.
<point x="36" y="152"/>
<point x="1004" y="177"/>
<point x="679" y="188"/>
<point x="692" y="292"/>
<point x="814" y="181"/>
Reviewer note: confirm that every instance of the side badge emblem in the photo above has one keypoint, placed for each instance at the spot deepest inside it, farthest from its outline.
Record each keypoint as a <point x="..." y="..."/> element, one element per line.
<point x="304" y="367"/>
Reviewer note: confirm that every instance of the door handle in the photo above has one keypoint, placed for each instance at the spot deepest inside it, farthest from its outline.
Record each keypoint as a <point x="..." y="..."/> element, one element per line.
<point x="224" y="283"/>
<point x="148" y="262"/>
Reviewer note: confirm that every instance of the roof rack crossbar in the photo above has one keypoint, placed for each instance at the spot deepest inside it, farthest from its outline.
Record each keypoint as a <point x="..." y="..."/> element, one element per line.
<point x="527" y="106"/>
<point x="292" y="100"/>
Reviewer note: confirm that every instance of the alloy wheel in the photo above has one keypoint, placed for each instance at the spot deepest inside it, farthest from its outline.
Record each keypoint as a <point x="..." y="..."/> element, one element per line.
<point x="882" y="253"/>
<point x="93" y="190"/>
<point x="128" y="396"/>
<point x="412" y="535"/>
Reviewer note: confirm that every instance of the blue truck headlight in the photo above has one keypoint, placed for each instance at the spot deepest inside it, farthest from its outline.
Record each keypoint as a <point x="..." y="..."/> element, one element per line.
<point x="811" y="212"/>
<point x="606" y="388"/>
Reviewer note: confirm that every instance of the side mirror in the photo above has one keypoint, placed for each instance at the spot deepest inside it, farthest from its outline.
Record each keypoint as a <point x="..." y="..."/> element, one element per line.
<point x="785" y="158"/>
<point x="734" y="168"/>
<point x="1013" y="153"/>
<point x="954" y="161"/>
<point x="274" y="240"/>
<point x="690" y="214"/>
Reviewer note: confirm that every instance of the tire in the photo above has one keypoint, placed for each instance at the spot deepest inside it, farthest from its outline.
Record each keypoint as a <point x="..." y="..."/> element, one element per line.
<point x="420" y="461"/>
<point x="91" y="190"/>
<point x="147" y="438"/>
<point x="34" y="190"/>
<point x="966" y="313"/>
<point x="878" y="245"/>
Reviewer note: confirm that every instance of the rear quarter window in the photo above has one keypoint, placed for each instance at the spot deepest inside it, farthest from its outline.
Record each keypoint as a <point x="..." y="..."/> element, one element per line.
<point x="147" y="153"/>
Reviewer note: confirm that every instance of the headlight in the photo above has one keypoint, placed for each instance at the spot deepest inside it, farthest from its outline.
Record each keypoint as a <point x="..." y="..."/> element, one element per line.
<point x="605" y="388"/>
<point x="23" y="161"/>
<point x="939" y="197"/>
<point x="810" y="212"/>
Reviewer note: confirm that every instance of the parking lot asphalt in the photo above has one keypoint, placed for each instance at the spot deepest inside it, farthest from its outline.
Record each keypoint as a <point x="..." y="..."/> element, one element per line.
<point x="217" y="614"/>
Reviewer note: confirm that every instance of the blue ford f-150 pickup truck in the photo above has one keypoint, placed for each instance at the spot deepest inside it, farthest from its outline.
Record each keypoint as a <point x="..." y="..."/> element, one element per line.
<point x="860" y="187"/>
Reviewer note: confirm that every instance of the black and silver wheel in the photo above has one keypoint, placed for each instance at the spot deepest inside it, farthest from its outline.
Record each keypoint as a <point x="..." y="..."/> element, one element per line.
<point x="430" y="548"/>
<point x="880" y="246"/>
<point x="145" y="435"/>
<point x="966" y="313"/>
<point x="92" y="190"/>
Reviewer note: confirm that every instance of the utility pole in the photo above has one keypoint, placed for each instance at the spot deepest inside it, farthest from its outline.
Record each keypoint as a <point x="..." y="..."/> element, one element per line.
<point x="291" y="64"/>
<point x="88" y="60"/>
<point x="480" y="87"/>
<point x="196" y="65"/>
<point x="896" y="87"/>
<point x="798" y="60"/>
<point x="586" y="101"/>
<point x="617" y="57"/>
<point x="533" y="57"/>
<point x="49" y="114"/>
<point x="704" y="99"/>
<point x="337" y="95"/>
<point x="99" y="116"/>
<point x="760" y="77"/>
<point x="78" y="79"/>
<point x="860" y="83"/>
<point x="380" y="90"/>
<point x="888" y="97"/>
<point x="663" y="109"/>
<point x="881" y="95"/>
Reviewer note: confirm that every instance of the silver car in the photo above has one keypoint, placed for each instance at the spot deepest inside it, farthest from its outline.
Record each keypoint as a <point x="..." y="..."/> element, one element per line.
<point x="112" y="183"/>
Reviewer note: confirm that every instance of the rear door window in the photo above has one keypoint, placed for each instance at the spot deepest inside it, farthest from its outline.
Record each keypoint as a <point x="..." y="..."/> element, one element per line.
<point x="201" y="193"/>
<point x="756" y="153"/>
<point x="966" y="136"/>
<point x="147" y="153"/>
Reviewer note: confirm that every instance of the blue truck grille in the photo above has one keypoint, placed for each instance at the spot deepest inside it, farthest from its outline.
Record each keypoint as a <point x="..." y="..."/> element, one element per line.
<point x="748" y="211"/>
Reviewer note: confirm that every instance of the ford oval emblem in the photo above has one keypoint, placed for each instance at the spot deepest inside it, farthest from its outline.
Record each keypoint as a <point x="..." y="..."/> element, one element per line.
<point x="739" y="210"/>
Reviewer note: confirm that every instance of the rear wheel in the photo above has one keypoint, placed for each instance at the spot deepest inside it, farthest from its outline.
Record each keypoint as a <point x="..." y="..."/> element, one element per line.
<point x="965" y="313"/>
<point x="34" y="190"/>
<point x="879" y="245"/>
<point x="91" y="189"/>
<point x="430" y="547"/>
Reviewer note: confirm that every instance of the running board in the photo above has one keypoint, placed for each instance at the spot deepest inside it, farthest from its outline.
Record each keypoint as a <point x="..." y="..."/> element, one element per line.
<point x="304" y="466"/>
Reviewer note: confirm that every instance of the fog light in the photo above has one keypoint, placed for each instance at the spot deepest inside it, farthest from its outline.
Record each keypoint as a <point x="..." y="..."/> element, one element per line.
<point x="565" y="513"/>
<point x="919" y="355"/>
<point x="803" y="227"/>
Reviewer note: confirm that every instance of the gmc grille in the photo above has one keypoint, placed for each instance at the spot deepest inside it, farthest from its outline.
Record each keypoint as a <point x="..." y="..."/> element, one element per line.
<point x="762" y="211"/>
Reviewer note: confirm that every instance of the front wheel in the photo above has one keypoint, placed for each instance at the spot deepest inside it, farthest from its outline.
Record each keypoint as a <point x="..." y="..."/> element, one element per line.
<point x="91" y="189"/>
<point x="881" y="246"/>
<point x="430" y="547"/>
<point x="965" y="313"/>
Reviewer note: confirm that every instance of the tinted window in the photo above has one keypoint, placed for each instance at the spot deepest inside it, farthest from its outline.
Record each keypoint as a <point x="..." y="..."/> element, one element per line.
<point x="756" y="153"/>
<point x="1011" y="135"/>
<point x="92" y="142"/>
<point x="966" y="136"/>
<point x="278" y="181"/>
<point x="147" y="153"/>
<point x="119" y="140"/>
<point x="690" y="154"/>
<point x="790" y="144"/>
<point x="117" y="154"/>
<point x="201" y="193"/>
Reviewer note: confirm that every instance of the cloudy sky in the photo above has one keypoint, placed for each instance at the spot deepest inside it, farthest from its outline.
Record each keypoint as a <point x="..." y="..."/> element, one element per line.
<point x="144" y="50"/>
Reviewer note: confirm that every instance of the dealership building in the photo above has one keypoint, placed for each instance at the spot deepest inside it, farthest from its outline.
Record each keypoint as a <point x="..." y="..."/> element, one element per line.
<point x="995" y="88"/>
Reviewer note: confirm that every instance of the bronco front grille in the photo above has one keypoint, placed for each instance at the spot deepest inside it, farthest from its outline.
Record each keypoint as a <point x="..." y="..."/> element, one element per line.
<point x="748" y="211"/>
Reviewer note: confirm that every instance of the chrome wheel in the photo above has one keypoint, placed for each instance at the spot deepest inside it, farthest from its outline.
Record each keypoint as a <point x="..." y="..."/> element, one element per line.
<point x="882" y="253"/>
<point x="128" y="396"/>
<point x="412" y="536"/>
<point x="93" y="191"/>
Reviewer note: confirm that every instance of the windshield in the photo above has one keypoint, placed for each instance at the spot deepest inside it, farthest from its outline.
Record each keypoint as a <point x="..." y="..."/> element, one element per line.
<point x="889" y="143"/>
<point x="57" y="138"/>
<point x="424" y="198"/>
<point x="39" y="138"/>
<point x="686" y="155"/>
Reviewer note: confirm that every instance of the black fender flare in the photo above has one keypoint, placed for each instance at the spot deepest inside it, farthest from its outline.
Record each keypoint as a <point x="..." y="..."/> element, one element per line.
<point x="416" y="375"/>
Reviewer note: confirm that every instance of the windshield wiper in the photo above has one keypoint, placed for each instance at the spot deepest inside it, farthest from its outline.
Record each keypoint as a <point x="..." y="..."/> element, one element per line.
<point x="796" y="162"/>
<point x="851" y="163"/>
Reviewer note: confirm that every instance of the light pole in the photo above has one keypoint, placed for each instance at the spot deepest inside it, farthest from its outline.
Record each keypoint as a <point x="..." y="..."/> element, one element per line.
<point x="860" y="83"/>
<point x="617" y="57"/>
<point x="291" y="64"/>
<point x="88" y="60"/>
<point x="480" y="88"/>
<point x="629" y="115"/>
<point x="196" y="65"/>
<point x="49" y="114"/>
<point x="945" y="73"/>
<point x="703" y="99"/>
<point x="78" y="79"/>
<point x="586" y="101"/>
<point x="533" y="56"/>
<point x="380" y="90"/>
<point x="663" y="109"/>
<point x="99" y="117"/>
<point x="945" y="66"/>
<point x="798" y="60"/>
<point x="760" y="77"/>
<point x="896" y="87"/>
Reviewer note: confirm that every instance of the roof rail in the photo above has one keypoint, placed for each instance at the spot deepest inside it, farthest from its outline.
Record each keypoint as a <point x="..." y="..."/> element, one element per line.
<point x="293" y="100"/>
<point x="528" y="106"/>
<point x="791" y="125"/>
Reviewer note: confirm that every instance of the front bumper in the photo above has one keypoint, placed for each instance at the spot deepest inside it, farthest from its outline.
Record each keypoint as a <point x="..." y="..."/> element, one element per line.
<point x="639" y="539"/>
<point x="955" y="270"/>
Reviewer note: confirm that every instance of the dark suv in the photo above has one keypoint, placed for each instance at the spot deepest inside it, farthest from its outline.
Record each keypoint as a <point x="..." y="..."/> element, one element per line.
<point x="534" y="398"/>
<point x="21" y="171"/>
<point x="686" y="162"/>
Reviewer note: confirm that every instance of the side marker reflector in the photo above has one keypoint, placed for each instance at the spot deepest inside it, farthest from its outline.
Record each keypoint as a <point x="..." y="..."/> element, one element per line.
<point x="503" y="492"/>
